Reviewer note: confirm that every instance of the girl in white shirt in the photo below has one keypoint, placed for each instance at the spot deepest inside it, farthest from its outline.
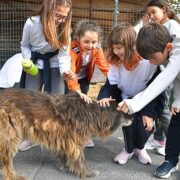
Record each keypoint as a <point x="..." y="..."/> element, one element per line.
<point x="45" y="40"/>
<point x="128" y="75"/>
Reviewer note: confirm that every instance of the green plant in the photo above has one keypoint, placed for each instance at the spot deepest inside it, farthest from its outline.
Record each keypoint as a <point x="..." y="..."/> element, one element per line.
<point x="175" y="4"/>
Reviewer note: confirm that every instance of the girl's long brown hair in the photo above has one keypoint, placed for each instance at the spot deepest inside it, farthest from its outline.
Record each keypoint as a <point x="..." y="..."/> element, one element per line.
<point x="125" y="35"/>
<point x="163" y="4"/>
<point x="57" y="36"/>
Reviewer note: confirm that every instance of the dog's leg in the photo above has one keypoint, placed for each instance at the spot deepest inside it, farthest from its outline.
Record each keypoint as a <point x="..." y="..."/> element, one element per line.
<point x="9" y="172"/>
<point x="79" y="166"/>
<point x="61" y="163"/>
<point x="7" y="165"/>
<point x="1" y="164"/>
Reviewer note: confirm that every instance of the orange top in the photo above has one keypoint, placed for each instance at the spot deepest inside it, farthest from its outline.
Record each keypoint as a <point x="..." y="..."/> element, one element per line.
<point x="97" y="58"/>
<point x="129" y="65"/>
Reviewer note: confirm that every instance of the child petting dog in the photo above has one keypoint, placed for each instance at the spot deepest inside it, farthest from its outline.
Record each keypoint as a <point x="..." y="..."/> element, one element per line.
<point x="161" y="12"/>
<point x="45" y="40"/>
<point x="128" y="75"/>
<point x="85" y="54"/>
<point x="62" y="124"/>
<point x="165" y="50"/>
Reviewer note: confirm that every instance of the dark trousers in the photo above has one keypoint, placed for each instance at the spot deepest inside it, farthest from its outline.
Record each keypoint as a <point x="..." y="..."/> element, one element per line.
<point x="135" y="136"/>
<point x="173" y="140"/>
<point x="84" y="86"/>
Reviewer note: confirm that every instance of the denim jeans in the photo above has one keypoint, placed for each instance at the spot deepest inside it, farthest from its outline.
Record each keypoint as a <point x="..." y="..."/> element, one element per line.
<point x="34" y="83"/>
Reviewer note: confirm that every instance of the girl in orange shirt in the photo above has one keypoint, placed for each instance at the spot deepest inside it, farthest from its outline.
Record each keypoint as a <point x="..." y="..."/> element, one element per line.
<point x="85" y="54"/>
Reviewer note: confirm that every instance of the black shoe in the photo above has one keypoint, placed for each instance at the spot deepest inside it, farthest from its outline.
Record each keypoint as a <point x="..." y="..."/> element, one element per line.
<point x="165" y="170"/>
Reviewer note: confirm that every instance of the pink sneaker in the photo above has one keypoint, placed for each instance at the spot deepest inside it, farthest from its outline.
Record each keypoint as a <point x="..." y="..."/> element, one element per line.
<point x="26" y="145"/>
<point x="90" y="143"/>
<point x="143" y="156"/>
<point x="154" y="144"/>
<point x="123" y="157"/>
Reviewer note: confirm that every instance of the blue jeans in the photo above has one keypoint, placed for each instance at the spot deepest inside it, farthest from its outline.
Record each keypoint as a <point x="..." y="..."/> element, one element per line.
<point x="34" y="83"/>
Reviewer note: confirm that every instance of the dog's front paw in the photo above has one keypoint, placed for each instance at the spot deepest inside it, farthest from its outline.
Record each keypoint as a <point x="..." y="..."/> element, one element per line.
<point x="61" y="167"/>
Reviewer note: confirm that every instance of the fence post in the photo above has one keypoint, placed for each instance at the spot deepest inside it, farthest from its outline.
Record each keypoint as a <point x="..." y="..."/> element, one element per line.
<point x="116" y="12"/>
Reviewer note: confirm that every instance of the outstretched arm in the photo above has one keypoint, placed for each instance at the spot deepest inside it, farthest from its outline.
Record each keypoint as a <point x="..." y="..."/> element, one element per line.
<point x="160" y="83"/>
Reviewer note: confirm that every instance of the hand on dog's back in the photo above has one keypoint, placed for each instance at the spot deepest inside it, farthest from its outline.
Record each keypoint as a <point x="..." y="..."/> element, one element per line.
<point x="69" y="108"/>
<point x="105" y="119"/>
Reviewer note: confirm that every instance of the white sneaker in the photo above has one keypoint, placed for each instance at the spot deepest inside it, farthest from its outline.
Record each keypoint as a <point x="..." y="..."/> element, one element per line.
<point x="26" y="145"/>
<point x="90" y="143"/>
<point x="154" y="144"/>
<point x="161" y="151"/>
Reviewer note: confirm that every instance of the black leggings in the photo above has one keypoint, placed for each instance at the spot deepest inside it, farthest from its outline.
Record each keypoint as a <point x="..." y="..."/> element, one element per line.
<point x="135" y="136"/>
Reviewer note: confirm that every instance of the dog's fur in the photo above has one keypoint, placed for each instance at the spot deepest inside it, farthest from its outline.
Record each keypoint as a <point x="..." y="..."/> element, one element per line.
<point x="62" y="124"/>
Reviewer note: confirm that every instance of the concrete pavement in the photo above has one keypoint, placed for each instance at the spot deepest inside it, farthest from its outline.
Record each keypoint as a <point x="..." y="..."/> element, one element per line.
<point x="36" y="164"/>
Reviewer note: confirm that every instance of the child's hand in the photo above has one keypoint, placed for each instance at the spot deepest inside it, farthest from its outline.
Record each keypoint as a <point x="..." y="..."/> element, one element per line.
<point x="68" y="75"/>
<point x="122" y="106"/>
<point x="174" y="110"/>
<point x="148" y="123"/>
<point x="105" y="102"/>
<point x="85" y="97"/>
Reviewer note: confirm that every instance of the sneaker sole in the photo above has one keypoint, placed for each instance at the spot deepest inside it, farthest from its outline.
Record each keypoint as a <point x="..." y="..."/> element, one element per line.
<point x="146" y="163"/>
<point x="89" y="146"/>
<point x="169" y="174"/>
<point x="27" y="148"/>
<point x="160" y="153"/>
<point x="116" y="161"/>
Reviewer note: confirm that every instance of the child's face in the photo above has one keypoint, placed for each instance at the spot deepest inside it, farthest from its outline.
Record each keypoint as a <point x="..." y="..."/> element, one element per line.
<point x="119" y="50"/>
<point x="156" y="14"/>
<point x="89" y="41"/>
<point x="159" y="58"/>
<point x="61" y="14"/>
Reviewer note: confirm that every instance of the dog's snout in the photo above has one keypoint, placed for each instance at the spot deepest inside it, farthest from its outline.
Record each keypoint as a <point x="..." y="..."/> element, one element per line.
<point x="126" y="120"/>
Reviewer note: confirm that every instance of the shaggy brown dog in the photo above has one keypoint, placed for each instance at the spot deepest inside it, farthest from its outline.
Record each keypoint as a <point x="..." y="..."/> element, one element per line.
<point x="62" y="124"/>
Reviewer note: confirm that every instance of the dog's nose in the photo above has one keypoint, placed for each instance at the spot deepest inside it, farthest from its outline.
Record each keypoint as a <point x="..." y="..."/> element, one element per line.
<point x="126" y="119"/>
<point x="127" y="122"/>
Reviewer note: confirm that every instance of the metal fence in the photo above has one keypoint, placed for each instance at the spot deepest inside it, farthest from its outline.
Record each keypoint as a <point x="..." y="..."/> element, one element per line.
<point x="107" y="13"/>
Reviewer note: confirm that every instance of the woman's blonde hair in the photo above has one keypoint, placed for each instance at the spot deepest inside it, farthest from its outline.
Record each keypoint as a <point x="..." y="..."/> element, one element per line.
<point x="57" y="36"/>
<point x="125" y="35"/>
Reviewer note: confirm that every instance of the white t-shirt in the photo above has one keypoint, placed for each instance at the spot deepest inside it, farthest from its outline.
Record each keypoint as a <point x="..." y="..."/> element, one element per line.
<point x="33" y="39"/>
<point x="131" y="82"/>
<point x="171" y="74"/>
<point x="86" y="58"/>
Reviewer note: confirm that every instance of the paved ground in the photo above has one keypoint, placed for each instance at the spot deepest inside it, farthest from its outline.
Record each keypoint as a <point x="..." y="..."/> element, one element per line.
<point x="39" y="165"/>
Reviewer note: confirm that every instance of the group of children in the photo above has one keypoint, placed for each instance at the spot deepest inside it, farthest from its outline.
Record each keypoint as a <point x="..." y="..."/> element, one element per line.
<point x="159" y="43"/>
<point x="132" y="64"/>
